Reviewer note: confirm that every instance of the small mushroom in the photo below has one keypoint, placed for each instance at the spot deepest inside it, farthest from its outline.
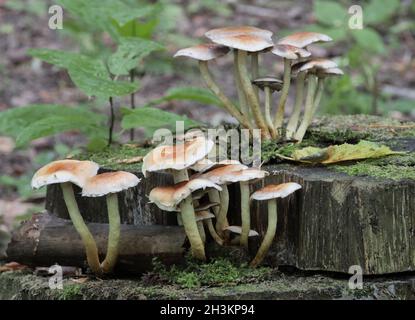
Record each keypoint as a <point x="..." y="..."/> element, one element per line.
<point x="177" y="159"/>
<point x="217" y="176"/>
<point x="269" y="84"/>
<point x="315" y="83"/>
<point x="205" y="53"/>
<point x="244" y="177"/>
<point x="168" y="198"/>
<point x="109" y="184"/>
<point x="238" y="230"/>
<point x="206" y="217"/>
<point x="244" y="40"/>
<point x="65" y="173"/>
<point x="303" y="39"/>
<point x="270" y="193"/>
<point x="288" y="53"/>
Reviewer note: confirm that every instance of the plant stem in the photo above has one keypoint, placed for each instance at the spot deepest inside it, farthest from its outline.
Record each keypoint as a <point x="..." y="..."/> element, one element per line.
<point x="113" y="235"/>
<point x="279" y="115"/>
<point x="269" y="235"/>
<point x="212" y="232"/>
<point x="299" y="94"/>
<point x="268" y="119"/>
<point x="228" y="105"/>
<point x="245" y="214"/>
<point x="318" y="95"/>
<point x="221" y="220"/>
<point x="112" y="119"/>
<point x="82" y="229"/>
<point x="189" y="220"/>
<point x="132" y="101"/>
<point x="250" y="94"/>
<point x="308" y="109"/>
<point x="241" y="95"/>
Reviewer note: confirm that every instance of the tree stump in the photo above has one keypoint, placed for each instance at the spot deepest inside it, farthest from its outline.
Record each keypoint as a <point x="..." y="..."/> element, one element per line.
<point x="335" y="221"/>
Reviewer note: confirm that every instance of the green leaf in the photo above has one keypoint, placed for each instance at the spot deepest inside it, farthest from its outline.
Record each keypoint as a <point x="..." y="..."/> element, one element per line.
<point x="129" y="54"/>
<point x="369" y="39"/>
<point x="57" y="124"/>
<point x="128" y="14"/>
<point x="13" y="120"/>
<point x="336" y="33"/>
<point x="153" y="118"/>
<point x="192" y="94"/>
<point x="330" y="13"/>
<point x="377" y="12"/>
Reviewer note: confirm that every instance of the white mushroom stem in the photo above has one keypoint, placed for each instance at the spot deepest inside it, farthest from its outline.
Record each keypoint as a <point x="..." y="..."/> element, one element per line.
<point x="228" y="105"/>
<point x="269" y="235"/>
<point x="241" y="95"/>
<point x="214" y="196"/>
<point x="279" y="115"/>
<point x="268" y="118"/>
<point x="308" y="109"/>
<point x="255" y="70"/>
<point x="212" y="232"/>
<point x="201" y="229"/>
<point x="250" y="94"/>
<point x="114" y="233"/>
<point x="221" y="219"/>
<point x="299" y="94"/>
<point x="82" y="229"/>
<point x="245" y="213"/>
<point x="189" y="220"/>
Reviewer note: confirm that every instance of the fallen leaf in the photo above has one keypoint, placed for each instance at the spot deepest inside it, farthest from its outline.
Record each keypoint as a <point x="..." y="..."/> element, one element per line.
<point x="131" y="160"/>
<point x="344" y="152"/>
<point x="80" y="280"/>
<point x="12" y="266"/>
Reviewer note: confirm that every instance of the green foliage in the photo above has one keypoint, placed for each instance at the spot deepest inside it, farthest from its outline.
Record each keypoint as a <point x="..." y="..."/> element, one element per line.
<point x="70" y="292"/>
<point x="35" y="121"/>
<point x="219" y="272"/>
<point x="377" y="12"/>
<point x="191" y="94"/>
<point x="129" y="54"/>
<point x="369" y="40"/>
<point x="153" y="119"/>
<point x="329" y="13"/>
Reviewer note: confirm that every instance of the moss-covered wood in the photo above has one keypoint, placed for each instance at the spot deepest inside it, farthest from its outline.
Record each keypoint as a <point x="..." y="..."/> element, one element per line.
<point x="352" y="213"/>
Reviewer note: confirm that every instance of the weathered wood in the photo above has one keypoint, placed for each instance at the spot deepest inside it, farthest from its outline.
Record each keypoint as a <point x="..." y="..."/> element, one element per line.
<point x="46" y="240"/>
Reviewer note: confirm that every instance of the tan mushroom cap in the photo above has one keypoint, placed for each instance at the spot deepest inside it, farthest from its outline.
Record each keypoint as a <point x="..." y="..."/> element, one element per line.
<point x="204" y="215"/>
<point x="206" y="205"/>
<point x="236" y="31"/>
<point x="245" y="175"/>
<point x="329" y="72"/>
<point x="168" y="198"/>
<point x="177" y="157"/>
<point x="238" y="230"/>
<point x="61" y="171"/>
<point x="203" y="52"/>
<point x="245" y="42"/>
<point x="314" y="66"/>
<point x="109" y="182"/>
<point x="220" y="174"/>
<point x="207" y="164"/>
<point x="274" y="191"/>
<point x="274" y="84"/>
<point x="303" y="39"/>
<point x="290" y="52"/>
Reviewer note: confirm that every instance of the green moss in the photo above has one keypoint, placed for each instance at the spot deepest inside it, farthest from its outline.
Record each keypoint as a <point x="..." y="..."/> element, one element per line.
<point x="219" y="272"/>
<point x="389" y="171"/>
<point x="114" y="157"/>
<point x="70" y="292"/>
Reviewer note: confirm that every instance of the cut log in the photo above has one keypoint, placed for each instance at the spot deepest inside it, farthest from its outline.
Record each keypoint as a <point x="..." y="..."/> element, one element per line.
<point x="46" y="240"/>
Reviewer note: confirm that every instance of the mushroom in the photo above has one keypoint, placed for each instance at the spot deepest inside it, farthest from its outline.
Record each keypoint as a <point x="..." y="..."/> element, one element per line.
<point x="244" y="177"/>
<point x="303" y="39"/>
<point x="269" y="84"/>
<point x="238" y="230"/>
<point x="243" y="40"/>
<point x="109" y="184"/>
<point x="288" y="53"/>
<point x="315" y="80"/>
<point x="205" y="53"/>
<point x="270" y="193"/>
<point x="168" y="198"/>
<point x="206" y="218"/>
<point x="66" y="173"/>
<point x="218" y="176"/>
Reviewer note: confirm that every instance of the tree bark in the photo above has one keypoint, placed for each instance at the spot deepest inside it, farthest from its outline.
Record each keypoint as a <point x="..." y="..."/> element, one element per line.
<point x="45" y="240"/>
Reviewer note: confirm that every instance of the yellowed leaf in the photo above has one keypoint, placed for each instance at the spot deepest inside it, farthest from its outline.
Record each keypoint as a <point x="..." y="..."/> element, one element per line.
<point x="131" y="160"/>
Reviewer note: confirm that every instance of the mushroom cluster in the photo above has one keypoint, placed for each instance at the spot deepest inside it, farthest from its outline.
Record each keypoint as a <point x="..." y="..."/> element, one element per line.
<point x="200" y="194"/>
<point x="83" y="174"/>
<point x="246" y="41"/>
